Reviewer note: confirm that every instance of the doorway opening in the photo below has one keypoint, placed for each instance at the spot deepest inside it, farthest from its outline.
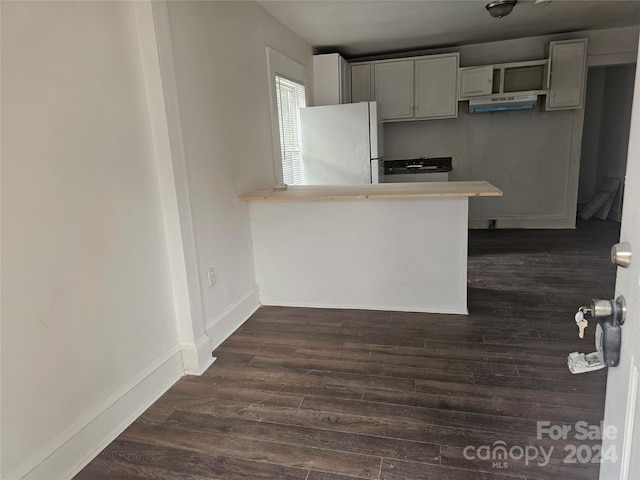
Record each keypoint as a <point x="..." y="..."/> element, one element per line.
<point x="605" y="137"/>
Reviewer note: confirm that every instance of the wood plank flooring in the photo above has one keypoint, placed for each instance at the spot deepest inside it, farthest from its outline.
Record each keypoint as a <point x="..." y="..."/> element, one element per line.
<point x="348" y="394"/>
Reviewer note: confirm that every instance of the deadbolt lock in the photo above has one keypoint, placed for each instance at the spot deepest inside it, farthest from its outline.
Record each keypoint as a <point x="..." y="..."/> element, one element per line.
<point x="621" y="254"/>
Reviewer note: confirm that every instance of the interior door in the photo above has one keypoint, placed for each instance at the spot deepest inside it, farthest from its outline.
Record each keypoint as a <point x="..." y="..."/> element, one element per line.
<point x="621" y="451"/>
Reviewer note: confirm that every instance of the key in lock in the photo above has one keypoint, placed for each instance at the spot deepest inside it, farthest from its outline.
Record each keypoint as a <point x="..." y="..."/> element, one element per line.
<point x="610" y="315"/>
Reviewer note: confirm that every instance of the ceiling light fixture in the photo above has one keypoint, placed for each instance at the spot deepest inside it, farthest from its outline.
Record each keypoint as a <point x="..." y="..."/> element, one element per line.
<point x="501" y="8"/>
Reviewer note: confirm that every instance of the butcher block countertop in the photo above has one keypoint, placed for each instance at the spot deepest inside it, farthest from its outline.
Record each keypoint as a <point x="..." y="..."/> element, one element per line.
<point x="382" y="190"/>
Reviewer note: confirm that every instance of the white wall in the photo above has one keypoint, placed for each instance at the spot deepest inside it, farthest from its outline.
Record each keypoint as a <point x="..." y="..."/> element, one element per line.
<point x="532" y="156"/>
<point x="398" y="254"/>
<point x="92" y="128"/>
<point x="219" y="54"/>
<point x="518" y="152"/>
<point x="87" y="312"/>
<point x="606" y="47"/>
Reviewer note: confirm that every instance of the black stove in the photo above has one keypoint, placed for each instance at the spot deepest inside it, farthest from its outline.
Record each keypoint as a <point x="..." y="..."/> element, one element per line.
<point x="418" y="165"/>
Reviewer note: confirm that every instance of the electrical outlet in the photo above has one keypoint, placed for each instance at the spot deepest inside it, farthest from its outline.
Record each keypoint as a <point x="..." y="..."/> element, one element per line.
<point x="212" y="276"/>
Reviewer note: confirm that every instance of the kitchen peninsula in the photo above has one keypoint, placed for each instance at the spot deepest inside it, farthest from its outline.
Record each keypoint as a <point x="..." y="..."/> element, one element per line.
<point x="400" y="246"/>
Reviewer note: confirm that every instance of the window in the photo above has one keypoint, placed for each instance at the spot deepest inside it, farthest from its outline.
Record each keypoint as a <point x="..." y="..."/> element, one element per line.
<point x="286" y="96"/>
<point x="290" y="98"/>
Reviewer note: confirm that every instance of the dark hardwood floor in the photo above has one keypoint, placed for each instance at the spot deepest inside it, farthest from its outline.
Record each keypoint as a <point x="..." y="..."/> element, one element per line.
<point x="342" y="394"/>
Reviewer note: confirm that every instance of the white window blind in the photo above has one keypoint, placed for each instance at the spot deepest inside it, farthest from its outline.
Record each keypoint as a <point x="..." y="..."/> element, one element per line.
<point x="290" y="97"/>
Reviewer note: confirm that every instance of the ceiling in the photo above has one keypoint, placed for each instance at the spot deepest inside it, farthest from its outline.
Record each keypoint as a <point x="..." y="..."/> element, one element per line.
<point x="357" y="28"/>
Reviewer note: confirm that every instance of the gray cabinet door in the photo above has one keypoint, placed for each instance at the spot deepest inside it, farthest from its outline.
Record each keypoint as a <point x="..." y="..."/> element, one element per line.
<point x="567" y="69"/>
<point x="394" y="89"/>
<point x="436" y="87"/>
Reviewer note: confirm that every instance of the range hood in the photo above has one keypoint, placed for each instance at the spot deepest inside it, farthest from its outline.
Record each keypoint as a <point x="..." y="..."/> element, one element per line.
<point x="503" y="103"/>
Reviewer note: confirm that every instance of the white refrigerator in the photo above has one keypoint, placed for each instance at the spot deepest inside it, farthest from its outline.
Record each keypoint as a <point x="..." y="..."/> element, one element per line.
<point x="341" y="144"/>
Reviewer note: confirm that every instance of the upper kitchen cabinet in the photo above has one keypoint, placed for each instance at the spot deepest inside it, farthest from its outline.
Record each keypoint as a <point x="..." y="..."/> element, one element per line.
<point x="417" y="89"/>
<point x="476" y="81"/>
<point x="435" y="87"/>
<point x="393" y="87"/>
<point x="361" y="83"/>
<point x="506" y="78"/>
<point x="331" y="80"/>
<point x="567" y="71"/>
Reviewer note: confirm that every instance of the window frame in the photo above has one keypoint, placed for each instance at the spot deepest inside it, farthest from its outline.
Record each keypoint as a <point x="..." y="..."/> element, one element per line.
<point x="279" y="64"/>
<point x="283" y="84"/>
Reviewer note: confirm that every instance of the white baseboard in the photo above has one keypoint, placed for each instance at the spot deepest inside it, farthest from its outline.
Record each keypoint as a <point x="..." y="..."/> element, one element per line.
<point x="69" y="452"/>
<point x="73" y="449"/>
<point x="375" y="308"/>
<point x="196" y="358"/>
<point x="533" y="222"/>
<point x="229" y="320"/>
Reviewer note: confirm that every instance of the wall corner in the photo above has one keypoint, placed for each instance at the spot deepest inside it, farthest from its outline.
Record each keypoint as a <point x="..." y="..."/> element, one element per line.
<point x="196" y="357"/>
